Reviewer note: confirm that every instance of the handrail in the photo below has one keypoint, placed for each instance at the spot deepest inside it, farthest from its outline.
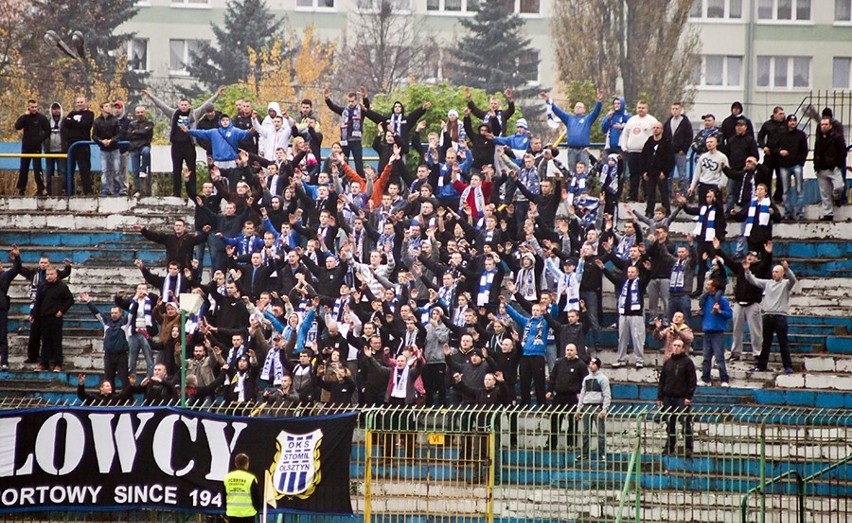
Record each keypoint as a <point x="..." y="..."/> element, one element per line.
<point x="69" y="172"/>
<point x="633" y="464"/>
<point x="800" y="488"/>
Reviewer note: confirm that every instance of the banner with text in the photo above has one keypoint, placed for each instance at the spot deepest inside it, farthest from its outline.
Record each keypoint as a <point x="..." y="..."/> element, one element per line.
<point x="169" y="458"/>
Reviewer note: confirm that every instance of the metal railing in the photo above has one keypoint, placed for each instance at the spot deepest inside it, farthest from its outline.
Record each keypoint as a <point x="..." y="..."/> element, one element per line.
<point x="528" y="465"/>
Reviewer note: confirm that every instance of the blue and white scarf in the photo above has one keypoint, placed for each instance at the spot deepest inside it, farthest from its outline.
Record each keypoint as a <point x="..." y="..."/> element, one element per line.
<point x="676" y="277"/>
<point x="759" y="209"/>
<point x="630" y="287"/>
<point x="445" y="294"/>
<point x="552" y="121"/>
<point x="486" y="280"/>
<point x="710" y="232"/>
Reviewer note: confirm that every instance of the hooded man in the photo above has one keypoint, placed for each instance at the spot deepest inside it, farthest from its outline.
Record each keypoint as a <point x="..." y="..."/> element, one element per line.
<point x="52" y="145"/>
<point x="613" y="123"/>
<point x="225" y="142"/>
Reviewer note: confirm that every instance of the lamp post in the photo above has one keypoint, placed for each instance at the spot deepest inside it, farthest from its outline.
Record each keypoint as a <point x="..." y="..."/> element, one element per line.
<point x="189" y="304"/>
<point x="78" y="52"/>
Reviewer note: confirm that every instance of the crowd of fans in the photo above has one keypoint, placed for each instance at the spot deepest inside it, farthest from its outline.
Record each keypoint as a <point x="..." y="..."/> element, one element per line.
<point x="462" y="281"/>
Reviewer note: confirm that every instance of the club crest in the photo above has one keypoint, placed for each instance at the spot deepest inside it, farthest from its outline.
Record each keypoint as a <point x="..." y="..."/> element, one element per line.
<point x="295" y="471"/>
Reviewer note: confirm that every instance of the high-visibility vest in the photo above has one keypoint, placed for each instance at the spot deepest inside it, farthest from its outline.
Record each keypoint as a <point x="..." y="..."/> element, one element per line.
<point x="238" y="485"/>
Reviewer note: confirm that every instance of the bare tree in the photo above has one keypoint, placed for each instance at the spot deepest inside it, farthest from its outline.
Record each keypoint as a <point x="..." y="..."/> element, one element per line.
<point x="386" y="47"/>
<point x="645" y="43"/>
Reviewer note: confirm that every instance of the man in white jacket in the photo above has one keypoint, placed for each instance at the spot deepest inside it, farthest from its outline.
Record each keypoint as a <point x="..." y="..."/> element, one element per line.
<point x="636" y="132"/>
<point x="274" y="137"/>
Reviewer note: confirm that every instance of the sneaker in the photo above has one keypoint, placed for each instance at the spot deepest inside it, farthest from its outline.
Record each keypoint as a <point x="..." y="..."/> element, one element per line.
<point x="758" y="369"/>
<point x="57" y="368"/>
<point x="788" y="370"/>
<point x="613" y="326"/>
<point x="734" y="357"/>
<point x="726" y="384"/>
<point x="639" y="364"/>
<point x="41" y="368"/>
<point x="4" y="367"/>
<point x="618" y="364"/>
<point x="826" y="218"/>
<point x="688" y="453"/>
<point x="702" y="383"/>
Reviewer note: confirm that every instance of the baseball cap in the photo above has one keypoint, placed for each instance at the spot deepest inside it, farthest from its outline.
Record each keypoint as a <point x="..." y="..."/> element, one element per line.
<point x="708" y="115"/>
<point x="596" y="361"/>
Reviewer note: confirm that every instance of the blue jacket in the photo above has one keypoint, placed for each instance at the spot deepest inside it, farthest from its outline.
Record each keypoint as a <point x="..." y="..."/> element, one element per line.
<point x="534" y="344"/>
<point x="578" y="127"/>
<point x="225" y="141"/>
<point x="715" y="322"/>
<point x="517" y="142"/>
<point x="621" y="116"/>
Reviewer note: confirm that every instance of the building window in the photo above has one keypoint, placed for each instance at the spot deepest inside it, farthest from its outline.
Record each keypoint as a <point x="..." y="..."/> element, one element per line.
<point x="716" y="9"/>
<point x="315" y="4"/>
<point x="792" y="10"/>
<point x="137" y="54"/>
<point x="190" y="3"/>
<point x="452" y="6"/>
<point x="399" y="6"/>
<point x="843" y="10"/>
<point x="785" y="72"/>
<point x="528" y="66"/>
<point x="528" y="7"/>
<point x="840" y="77"/>
<point x="718" y="71"/>
<point x="181" y="55"/>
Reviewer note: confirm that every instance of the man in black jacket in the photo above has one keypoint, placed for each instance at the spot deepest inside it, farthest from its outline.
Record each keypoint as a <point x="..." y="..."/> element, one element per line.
<point x="829" y="159"/>
<point x="141" y="132"/>
<point x="738" y="148"/>
<point x="105" y="132"/>
<point x="36" y="128"/>
<point x="658" y="162"/>
<point x="53" y="299"/>
<point x="768" y="138"/>
<point x="564" y="386"/>
<point x="674" y="396"/>
<point x="77" y="127"/>
<point x="678" y="130"/>
<point x="793" y="152"/>
<point x="180" y="245"/>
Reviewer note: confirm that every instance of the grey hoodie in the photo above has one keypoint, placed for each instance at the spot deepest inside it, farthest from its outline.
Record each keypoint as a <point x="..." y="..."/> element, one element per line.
<point x="595" y="391"/>
<point x="53" y="143"/>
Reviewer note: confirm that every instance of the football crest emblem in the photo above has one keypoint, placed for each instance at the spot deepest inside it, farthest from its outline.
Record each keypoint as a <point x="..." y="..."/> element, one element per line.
<point x="295" y="471"/>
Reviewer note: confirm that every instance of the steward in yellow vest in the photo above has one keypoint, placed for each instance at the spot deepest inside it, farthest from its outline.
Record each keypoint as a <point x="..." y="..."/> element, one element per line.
<point x="242" y="495"/>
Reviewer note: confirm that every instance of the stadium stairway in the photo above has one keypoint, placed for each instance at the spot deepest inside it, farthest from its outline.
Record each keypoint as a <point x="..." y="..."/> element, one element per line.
<point x="96" y="235"/>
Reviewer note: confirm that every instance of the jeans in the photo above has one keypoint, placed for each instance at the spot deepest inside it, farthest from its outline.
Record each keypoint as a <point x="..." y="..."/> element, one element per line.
<point x="775" y="324"/>
<point x="110" y="162"/>
<point x="830" y="189"/>
<point x="592" y="301"/>
<point x="658" y="295"/>
<point x="575" y="155"/>
<point x="792" y="196"/>
<point x="713" y="349"/>
<point x="679" y="303"/>
<point x="682" y="174"/>
<point x="218" y="258"/>
<point x="676" y="410"/>
<point x="550" y="356"/>
<point x="140" y="164"/>
<point x="590" y="415"/>
<point x="139" y="343"/>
